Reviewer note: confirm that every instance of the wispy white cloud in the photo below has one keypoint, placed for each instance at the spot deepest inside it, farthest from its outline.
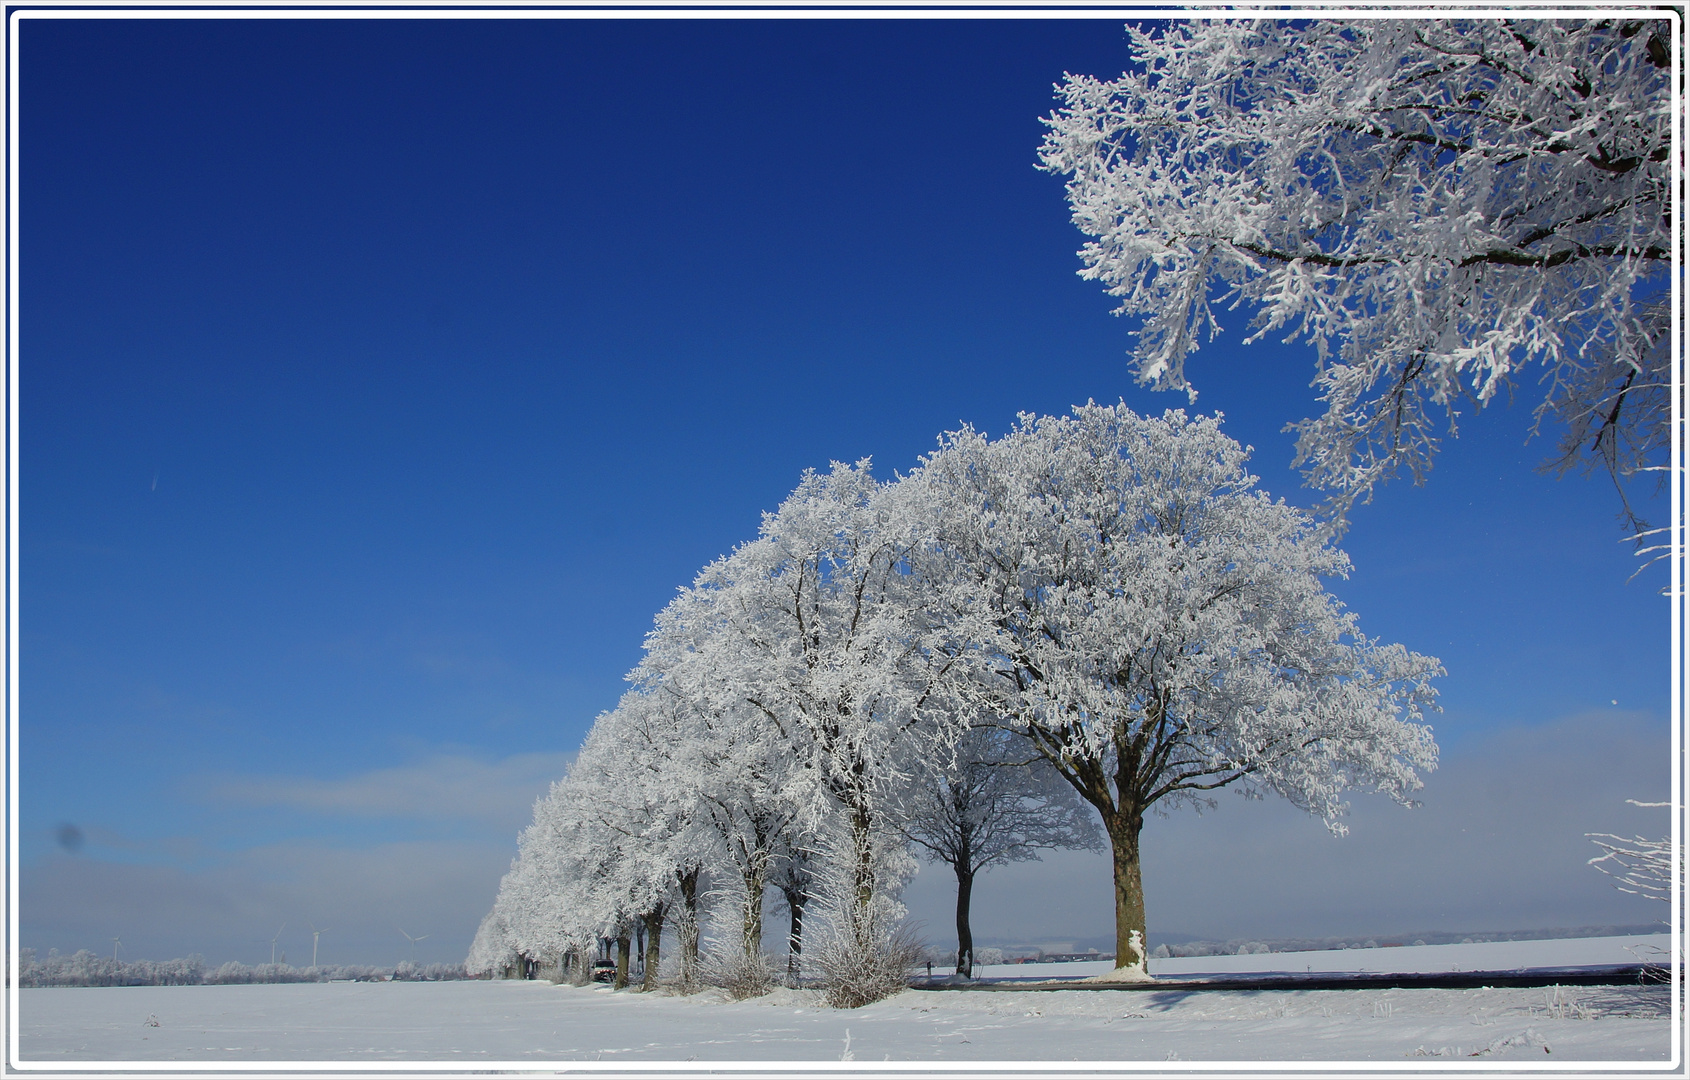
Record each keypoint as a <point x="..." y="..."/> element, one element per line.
<point x="178" y="895"/>
<point x="460" y="787"/>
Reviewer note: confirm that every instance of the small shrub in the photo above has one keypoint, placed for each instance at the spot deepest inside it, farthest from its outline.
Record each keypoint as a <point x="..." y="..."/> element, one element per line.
<point x="866" y="960"/>
<point x="739" y="974"/>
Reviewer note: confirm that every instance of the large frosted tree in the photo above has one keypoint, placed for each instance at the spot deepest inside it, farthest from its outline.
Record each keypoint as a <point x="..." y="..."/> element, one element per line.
<point x="1443" y="207"/>
<point x="1161" y="629"/>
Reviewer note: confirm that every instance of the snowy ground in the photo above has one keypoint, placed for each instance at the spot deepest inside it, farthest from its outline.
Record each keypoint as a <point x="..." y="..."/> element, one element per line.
<point x="529" y="1024"/>
<point x="1480" y="956"/>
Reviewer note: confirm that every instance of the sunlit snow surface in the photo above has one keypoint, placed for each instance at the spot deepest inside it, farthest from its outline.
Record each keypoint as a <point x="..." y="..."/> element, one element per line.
<point x="531" y="1023"/>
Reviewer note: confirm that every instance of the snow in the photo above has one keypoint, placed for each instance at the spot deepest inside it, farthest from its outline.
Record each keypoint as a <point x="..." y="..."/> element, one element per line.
<point x="1404" y="960"/>
<point x="529" y="1024"/>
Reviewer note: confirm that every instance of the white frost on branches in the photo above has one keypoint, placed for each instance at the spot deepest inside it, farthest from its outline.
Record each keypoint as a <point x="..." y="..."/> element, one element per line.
<point x="1160" y="628"/>
<point x="1108" y="587"/>
<point x="1436" y="204"/>
<point x="1639" y="866"/>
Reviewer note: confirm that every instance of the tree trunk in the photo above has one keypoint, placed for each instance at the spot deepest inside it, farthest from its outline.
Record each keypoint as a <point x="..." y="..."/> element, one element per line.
<point x="653" y="946"/>
<point x="1130" y="933"/>
<point x="795" y="900"/>
<point x="689" y="927"/>
<point x="862" y="854"/>
<point x="623" y="946"/>
<point x="752" y="929"/>
<point x="964" y="935"/>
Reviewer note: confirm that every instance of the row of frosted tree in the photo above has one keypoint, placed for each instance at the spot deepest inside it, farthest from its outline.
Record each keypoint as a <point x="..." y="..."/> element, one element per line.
<point x="85" y="968"/>
<point x="1046" y="635"/>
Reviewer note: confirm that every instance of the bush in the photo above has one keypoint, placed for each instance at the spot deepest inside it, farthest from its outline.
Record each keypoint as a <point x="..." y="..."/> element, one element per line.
<point x="866" y="959"/>
<point x="739" y="974"/>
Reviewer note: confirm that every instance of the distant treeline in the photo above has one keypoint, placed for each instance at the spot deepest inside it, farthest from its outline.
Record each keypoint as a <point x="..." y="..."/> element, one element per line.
<point x="84" y="968"/>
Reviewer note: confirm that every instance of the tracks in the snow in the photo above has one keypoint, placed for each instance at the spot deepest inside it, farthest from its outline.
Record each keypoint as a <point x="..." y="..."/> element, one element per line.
<point x="1616" y="975"/>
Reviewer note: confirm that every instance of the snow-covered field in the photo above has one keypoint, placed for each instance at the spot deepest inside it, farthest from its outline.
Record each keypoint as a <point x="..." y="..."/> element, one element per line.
<point x="529" y="1024"/>
<point x="1479" y="956"/>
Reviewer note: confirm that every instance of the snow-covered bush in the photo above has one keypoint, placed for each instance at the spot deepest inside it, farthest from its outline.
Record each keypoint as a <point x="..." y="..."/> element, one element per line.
<point x="868" y="954"/>
<point x="740" y="974"/>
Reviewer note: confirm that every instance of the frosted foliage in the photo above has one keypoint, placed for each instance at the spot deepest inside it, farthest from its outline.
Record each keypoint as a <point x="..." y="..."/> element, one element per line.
<point x="1162" y="627"/>
<point x="492" y="950"/>
<point x="1106" y="591"/>
<point x="1639" y="865"/>
<point x="818" y="636"/>
<point x="1437" y="205"/>
<point x="601" y="852"/>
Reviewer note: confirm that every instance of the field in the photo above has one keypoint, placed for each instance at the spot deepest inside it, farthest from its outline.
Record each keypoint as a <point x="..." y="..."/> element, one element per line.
<point x="529" y="1024"/>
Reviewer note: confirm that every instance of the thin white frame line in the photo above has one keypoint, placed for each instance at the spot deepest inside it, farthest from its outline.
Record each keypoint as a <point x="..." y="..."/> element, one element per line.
<point x="1675" y="578"/>
<point x="121" y="9"/>
<point x="704" y="13"/>
<point x="13" y="917"/>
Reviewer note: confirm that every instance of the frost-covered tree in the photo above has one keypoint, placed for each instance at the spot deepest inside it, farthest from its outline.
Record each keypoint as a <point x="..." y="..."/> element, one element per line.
<point x="547" y="899"/>
<point x="597" y="860"/>
<point x="635" y="807"/>
<point x="728" y="769"/>
<point x="819" y="626"/>
<point x="492" y="951"/>
<point x="1441" y="206"/>
<point x="998" y="802"/>
<point x="1162" y="630"/>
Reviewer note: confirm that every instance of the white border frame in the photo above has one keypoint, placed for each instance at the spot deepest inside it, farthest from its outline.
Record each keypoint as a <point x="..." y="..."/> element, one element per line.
<point x="842" y="9"/>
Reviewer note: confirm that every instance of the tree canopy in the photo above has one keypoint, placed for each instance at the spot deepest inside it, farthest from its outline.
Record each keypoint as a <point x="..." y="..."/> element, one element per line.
<point x="1437" y="205"/>
<point x="1161" y="629"/>
<point x="1108" y="592"/>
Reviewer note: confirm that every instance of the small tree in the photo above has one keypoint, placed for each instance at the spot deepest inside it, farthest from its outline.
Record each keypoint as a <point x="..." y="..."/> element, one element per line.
<point x="1000" y="802"/>
<point x="1161" y="629"/>
<point x="866" y="951"/>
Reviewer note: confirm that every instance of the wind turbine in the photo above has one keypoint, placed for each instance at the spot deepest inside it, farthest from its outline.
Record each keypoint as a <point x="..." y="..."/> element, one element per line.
<point x="273" y="940"/>
<point x="116" y="944"/>
<point x="413" y="941"/>
<point x="315" y="934"/>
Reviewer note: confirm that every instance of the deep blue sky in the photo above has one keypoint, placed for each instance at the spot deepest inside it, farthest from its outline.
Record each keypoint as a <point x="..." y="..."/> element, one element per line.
<point x="380" y="380"/>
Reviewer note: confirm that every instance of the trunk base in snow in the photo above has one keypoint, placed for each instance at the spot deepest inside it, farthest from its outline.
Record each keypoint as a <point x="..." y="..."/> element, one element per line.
<point x="1132" y="973"/>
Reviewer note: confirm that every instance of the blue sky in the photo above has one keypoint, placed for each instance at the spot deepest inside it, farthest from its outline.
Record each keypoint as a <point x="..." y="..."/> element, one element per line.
<point x="381" y="378"/>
